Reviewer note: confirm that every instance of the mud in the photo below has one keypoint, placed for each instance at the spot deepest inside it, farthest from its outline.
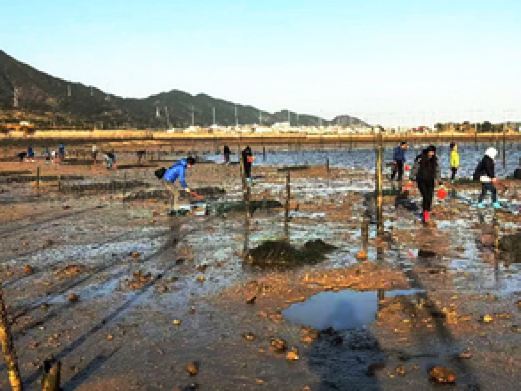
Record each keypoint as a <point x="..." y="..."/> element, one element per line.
<point x="163" y="302"/>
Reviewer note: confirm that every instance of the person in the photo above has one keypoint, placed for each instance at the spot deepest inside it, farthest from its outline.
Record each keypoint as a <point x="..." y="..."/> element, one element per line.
<point x="227" y="154"/>
<point x="247" y="161"/>
<point x="399" y="160"/>
<point x="426" y="172"/>
<point x="487" y="176"/>
<point x="53" y="156"/>
<point x="47" y="155"/>
<point x="110" y="160"/>
<point x="22" y="156"/>
<point x="30" y="154"/>
<point x="175" y="172"/>
<point x="454" y="160"/>
<point x="94" y="153"/>
<point x="61" y="152"/>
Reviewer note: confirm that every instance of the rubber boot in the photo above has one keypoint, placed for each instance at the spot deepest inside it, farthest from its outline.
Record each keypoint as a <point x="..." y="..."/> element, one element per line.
<point x="426" y="216"/>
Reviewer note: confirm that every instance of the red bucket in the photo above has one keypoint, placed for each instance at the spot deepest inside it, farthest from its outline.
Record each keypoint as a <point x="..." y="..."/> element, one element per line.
<point x="441" y="193"/>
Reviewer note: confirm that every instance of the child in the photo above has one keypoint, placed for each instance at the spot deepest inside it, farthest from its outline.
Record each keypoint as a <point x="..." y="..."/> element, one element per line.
<point x="454" y="160"/>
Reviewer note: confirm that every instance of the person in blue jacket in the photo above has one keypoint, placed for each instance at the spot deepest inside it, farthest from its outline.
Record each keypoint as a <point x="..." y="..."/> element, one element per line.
<point x="178" y="172"/>
<point x="399" y="160"/>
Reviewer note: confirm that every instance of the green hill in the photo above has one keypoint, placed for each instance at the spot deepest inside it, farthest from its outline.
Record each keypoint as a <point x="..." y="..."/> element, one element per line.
<point x="52" y="101"/>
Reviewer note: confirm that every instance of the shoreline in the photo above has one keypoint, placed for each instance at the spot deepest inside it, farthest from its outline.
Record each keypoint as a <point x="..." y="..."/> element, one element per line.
<point x="263" y="139"/>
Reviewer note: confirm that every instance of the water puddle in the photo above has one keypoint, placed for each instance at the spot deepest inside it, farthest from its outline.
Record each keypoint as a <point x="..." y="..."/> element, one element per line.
<point x="342" y="310"/>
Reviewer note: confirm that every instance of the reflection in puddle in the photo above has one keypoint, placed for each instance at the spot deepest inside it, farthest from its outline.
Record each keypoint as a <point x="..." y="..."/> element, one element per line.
<point x="340" y="310"/>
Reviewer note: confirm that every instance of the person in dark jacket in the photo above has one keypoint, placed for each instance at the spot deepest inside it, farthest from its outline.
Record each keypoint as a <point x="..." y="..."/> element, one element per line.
<point x="426" y="172"/>
<point x="247" y="160"/>
<point x="227" y="154"/>
<point x="399" y="160"/>
<point x="487" y="177"/>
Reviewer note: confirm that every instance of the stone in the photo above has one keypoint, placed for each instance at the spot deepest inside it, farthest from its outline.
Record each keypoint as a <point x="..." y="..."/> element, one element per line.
<point x="73" y="298"/>
<point x="278" y="345"/>
<point x="442" y="375"/>
<point x="292" y="354"/>
<point x="192" y="368"/>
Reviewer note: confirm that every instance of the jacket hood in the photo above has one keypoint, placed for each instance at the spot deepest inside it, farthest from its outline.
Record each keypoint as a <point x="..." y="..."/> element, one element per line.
<point x="491" y="153"/>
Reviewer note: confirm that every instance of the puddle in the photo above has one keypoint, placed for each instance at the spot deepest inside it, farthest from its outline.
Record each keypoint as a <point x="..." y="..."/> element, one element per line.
<point x="342" y="310"/>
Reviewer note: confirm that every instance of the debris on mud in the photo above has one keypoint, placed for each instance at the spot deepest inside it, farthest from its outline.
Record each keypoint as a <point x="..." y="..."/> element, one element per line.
<point x="70" y="271"/>
<point x="281" y="254"/>
<point x="442" y="375"/>
<point x="278" y="345"/>
<point x="192" y="368"/>
<point x="139" y="280"/>
<point x="249" y="336"/>
<point x="73" y="298"/>
<point x="292" y="354"/>
<point x="28" y="269"/>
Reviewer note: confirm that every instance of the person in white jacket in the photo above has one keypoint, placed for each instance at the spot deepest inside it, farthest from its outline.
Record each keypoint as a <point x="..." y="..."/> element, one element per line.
<point x="487" y="177"/>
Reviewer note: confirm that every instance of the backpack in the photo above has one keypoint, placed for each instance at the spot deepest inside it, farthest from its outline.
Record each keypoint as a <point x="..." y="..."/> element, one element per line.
<point x="160" y="172"/>
<point x="477" y="172"/>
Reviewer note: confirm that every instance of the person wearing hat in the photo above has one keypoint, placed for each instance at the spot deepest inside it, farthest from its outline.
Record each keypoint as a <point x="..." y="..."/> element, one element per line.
<point x="487" y="177"/>
<point x="177" y="172"/>
<point x="426" y="172"/>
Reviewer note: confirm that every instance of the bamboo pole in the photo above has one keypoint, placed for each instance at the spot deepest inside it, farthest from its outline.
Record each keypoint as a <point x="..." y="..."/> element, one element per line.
<point x="379" y="184"/>
<point x="286" y="205"/>
<point x="8" y="349"/>
<point x="51" y="378"/>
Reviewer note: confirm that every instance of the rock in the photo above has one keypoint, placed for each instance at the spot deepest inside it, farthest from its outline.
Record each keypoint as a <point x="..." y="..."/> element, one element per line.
<point x="442" y="375"/>
<point x="192" y="368"/>
<point x="201" y="278"/>
<point x="249" y="336"/>
<point x="251" y="299"/>
<point x="465" y="355"/>
<point x="177" y="322"/>
<point x="361" y="255"/>
<point x="73" y="298"/>
<point x="28" y="269"/>
<point x="487" y="318"/>
<point x="292" y="354"/>
<point x="110" y="337"/>
<point x="308" y="335"/>
<point x="278" y="345"/>
<point x="400" y="370"/>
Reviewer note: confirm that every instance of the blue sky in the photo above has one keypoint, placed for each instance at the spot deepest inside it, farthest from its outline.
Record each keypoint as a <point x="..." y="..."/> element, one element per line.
<point x="391" y="62"/>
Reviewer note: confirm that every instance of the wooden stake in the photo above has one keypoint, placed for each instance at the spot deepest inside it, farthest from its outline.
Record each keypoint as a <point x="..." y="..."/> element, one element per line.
<point x="364" y="232"/>
<point x="51" y="378"/>
<point x="379" y="184"/>
<point x="38" y="177"/>
<point x="8" y="350"/>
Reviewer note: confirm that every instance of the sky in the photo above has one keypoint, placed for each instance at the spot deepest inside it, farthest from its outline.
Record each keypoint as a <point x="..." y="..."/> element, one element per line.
<point x="390" y="62"/>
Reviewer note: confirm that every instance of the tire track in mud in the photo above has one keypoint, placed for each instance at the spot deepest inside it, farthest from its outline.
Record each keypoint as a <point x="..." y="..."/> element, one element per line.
<point x="129" y="301"/>
<point x="5" y="233"/>
<point x="62" y="288"/>
<point x="124" y="236"/>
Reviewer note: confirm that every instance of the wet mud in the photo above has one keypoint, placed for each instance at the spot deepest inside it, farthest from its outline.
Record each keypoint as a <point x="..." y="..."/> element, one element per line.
<point x="127" y="297"/>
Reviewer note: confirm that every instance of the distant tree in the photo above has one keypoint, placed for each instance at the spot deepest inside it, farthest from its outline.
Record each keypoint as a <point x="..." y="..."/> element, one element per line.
<point x="486" y="127"/>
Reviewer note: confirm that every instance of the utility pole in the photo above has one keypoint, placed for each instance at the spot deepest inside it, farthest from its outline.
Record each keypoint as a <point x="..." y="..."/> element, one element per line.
<point x="16" y="91"/>
<point x="158" y="112"/>
<point x="167" y="118"/>
<point x="91" y="91"/>
<point x="260" y="117"/>
<point x="69" y="91"/>
<point x="236" y="117"/>
<point x="297" y="118"/>
<point x="289" y="118"/>
<point x="193" y="116"/>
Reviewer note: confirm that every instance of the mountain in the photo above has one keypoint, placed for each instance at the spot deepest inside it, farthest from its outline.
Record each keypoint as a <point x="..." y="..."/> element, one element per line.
<point x="50" y="101"/>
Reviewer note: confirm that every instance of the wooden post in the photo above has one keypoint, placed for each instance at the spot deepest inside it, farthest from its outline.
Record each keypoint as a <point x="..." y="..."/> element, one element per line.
<point x="286" y="206"/>
<point x="504" y="148"/>
<point x="379" y="184"/>
<point x="327" y="165"/>
<point x="364" y="232"/>
<point x="288" y="196"/>
<point x="38" y="177"/>
<point x="59" y="183"/>
<point x="8" y="350"/>
<point x="263" y="153"/>
<point x="246" y="190"/>
<point x="51" y="378"/>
